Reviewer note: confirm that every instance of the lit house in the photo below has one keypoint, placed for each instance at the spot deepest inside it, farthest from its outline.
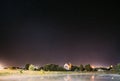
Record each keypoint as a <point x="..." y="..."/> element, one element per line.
<point x="67" y="66"/>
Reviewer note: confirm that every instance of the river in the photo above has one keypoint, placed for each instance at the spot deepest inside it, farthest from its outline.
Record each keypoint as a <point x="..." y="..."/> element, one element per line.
<point x="62" y="77"/>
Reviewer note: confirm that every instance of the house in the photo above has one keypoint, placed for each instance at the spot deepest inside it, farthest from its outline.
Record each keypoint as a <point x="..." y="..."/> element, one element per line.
<point x="67" y="66"/>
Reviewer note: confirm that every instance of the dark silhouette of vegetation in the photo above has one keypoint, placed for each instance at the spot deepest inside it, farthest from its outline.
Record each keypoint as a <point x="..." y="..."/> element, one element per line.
<point x="12" y="68"/>
<point x="61" y="69"/>
<point x="27" y="66"/>
<point x="117" y="68"/>
<point x="52" y="67"/>
<point x="88" y="67"/>
<point x="81" y="68"/>
<point x="74" y="68"/>
<point x="31" y="67"/>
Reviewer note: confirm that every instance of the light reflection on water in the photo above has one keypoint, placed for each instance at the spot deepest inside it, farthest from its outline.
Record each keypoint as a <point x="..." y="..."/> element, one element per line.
<point x="92" y="78"/>
<point x="67" y="77"/>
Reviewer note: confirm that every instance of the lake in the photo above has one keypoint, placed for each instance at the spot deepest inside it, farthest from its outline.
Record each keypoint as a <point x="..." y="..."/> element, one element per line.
<point x="62" y="77"/>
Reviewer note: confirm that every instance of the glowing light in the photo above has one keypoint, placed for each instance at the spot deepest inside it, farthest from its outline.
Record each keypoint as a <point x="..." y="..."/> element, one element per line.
<point x="112" y="78"/>
<point x="111" y="66"/>
<point x="1" y="67"/>
<point x="93" y="66"/>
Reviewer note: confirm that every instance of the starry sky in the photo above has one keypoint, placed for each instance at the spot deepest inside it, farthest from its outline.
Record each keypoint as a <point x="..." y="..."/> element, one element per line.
<point x="45" y="31"/>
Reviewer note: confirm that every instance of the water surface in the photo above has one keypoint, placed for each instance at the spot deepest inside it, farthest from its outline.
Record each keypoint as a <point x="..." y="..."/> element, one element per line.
<point x="66" y="77"/>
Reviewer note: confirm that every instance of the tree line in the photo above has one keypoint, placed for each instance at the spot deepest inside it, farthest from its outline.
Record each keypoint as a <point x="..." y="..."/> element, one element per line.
<point x="55" y="67"/>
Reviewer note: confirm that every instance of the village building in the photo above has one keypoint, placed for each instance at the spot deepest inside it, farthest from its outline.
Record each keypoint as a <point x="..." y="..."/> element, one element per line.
<point x="67" y="66"/>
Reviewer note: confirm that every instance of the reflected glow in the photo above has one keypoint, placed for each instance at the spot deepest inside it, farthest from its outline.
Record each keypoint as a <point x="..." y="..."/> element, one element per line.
<point x="67" y="78"/>
<point x="112" y="78"/>
<point x="92" y="78"/>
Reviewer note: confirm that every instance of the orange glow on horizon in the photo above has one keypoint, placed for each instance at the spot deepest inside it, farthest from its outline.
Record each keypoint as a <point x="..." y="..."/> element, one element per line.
<point x="1" y="67"/>
<point x="93" y="66"/>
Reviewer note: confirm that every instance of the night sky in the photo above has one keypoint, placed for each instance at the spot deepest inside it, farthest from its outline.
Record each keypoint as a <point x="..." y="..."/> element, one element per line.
<point x="45" y="31"/>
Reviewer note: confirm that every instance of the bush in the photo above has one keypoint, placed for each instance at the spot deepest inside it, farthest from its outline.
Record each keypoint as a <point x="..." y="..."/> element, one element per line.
<point x="88" y="67"/>
<point x="52" y="67"/>
<point x="81" y="68"/>
<point x="74" y="68"/>
<point x="117" y="68"/>
<point x="13" y="68"/>
<point x="32" y="67"/>
<point x="27" y="66"/>
<point x="49" y="67"/>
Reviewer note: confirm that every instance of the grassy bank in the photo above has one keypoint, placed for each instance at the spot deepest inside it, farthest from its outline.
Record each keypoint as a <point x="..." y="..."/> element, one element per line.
<point x="24" y="72"/>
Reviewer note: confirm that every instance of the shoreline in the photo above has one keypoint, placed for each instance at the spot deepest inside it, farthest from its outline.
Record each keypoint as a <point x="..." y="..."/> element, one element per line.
<point x="37" y="73"/>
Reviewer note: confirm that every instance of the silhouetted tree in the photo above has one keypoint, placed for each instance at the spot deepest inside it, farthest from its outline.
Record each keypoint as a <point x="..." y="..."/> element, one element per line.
<point x="117" y="68"/>
<point x="51" y="67"/>
<point x="61" y="69"/>
<point x="13" y="68"/>
<point x="74" y="68"/>
<point x="88" y="67"/>
<point x="81" y="67"/>
<point x="27" y="66"/>
<point x="31" y="67"/>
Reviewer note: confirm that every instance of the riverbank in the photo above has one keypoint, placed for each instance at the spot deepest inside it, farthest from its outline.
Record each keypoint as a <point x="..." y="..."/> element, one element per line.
<point x="24" y="72"/>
